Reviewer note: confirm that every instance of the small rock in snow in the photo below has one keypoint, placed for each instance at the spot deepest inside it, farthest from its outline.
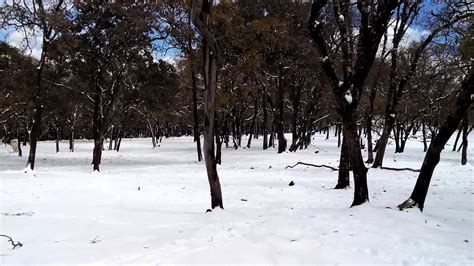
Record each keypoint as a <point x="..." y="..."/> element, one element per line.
<point x="291" y="184"/>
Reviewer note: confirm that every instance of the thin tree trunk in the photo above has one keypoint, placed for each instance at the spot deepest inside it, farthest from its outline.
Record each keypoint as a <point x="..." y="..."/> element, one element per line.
<point x="280" y="120"/>
<point x="265" y="121"/>
<point x="457" y="139"/>
<point x="425" y="145"/>
<point x="465" y="134"/>
<point x="111" y="137"/>
<point x="254" y="121"/>
<point x="71" y="139"/>
<point x="58" y="138"/>
<point x="20" y="152"/>
<point x="196" y="132"/>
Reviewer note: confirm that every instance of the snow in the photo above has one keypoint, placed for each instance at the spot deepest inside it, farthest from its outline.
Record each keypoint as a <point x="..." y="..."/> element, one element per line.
<point x="348" y="96"/>
<point x="147" y="206"/>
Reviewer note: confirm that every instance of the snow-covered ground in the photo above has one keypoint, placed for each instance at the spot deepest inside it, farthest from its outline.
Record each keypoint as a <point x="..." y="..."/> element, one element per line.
<point x="147" y="206"/>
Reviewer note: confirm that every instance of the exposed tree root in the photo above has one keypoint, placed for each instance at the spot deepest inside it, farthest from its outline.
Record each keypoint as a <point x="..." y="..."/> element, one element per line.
<point x="17" y="244"/>
<point x="336" y="169"/>
<point x="407" y="204"/>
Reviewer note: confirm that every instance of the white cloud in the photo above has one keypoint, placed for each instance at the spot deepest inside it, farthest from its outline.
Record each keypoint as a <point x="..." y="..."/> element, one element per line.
<point x="30" y="42"/>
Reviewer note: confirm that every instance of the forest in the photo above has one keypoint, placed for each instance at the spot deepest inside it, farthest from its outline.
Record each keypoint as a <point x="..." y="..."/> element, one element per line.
<point x="344" y="89"/>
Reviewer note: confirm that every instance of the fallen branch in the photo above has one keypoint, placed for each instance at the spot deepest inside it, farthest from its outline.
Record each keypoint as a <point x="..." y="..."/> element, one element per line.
<point x="17" y="244"/>
<point x="314" y="165"/>
<point x="336" y="169"/>
<point x="400" y="169"/>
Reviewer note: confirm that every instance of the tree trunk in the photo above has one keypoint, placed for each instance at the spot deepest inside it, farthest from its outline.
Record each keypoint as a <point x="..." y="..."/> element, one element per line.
<point x="425" y="145"/>
<point x="369" y="117"/>
<point x="280" y="120"/>
<point x="271" y="141"/>
<point x="254" y="121"/>
<point x="35" y="129"/>
<point x="361" y="191"/>
<point x="71" y="139"/>
<point x="457" y="139"/>
<point x="120" y="140"/>
<point x="111" y="137"/>
<point x="58" y="139"/>
<point x="219" y="141"/>
<point x="210" y="56"/>
<point x="20" y="152"/>
<point x="432" y="157"/>
<point x="265" y="121"/>
<point x="465" y="134"/>
<point x="344" y="166"/>
<point x="97" y="126"/>
<point x="196" y="132"/>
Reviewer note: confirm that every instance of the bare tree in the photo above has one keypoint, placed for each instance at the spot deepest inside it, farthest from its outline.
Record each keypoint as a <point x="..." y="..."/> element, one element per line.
<point x="399" y="81"/>
<point x="348" y="85"/>
<point x="432" y="157"/>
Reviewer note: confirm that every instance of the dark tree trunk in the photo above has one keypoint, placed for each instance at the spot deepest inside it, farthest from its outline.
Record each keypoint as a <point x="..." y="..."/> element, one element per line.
<point x="35" y="127"/>
<point x="457" y="139"/>
<point x="339" y="134"/>
<point x="219" y="141"/>
<point x="117" y="138"/>
<point x="271" y="141"/>
<point x="71" y="139"/>
<point x="465" y="133"/>
<point x="344" y="166"/>
<point x="254" y="121"/>
<point x="197" y="134"/>
<point x="210" y="56"/>
<point x="425" y="144"/>
<point x="112" y="137"/>
<point x="20" y="152"/>
<point x="120" y="140"/>
<point x="361" y="191"/>
<point x="152" y="133"/>
<point x="397" y="130"/>
<point x="97" y="126"/>
<point x="58" y="139"/>
<point x="432" y="157"/>
<point x="265" y="121"/>
<point x="281" y="112"/>
<point x="369" y="117"/>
